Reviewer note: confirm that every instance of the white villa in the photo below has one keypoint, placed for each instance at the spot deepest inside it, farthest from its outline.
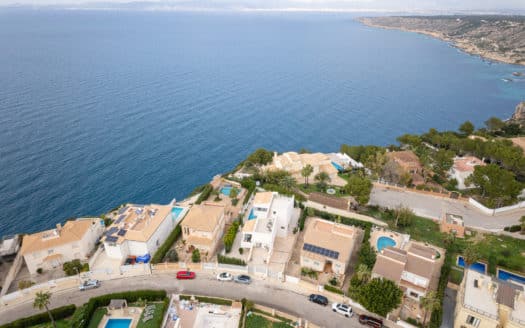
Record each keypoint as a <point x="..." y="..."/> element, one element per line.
<point x="141" y="229"/>
<point x="270" y="216"/>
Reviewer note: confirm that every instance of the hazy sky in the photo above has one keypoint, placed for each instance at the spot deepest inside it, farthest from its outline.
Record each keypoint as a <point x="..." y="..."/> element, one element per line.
<point x="329" y="5"/>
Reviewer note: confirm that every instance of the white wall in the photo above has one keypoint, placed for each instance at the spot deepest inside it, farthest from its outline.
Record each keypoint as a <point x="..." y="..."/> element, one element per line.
<point x="160" y="235"/>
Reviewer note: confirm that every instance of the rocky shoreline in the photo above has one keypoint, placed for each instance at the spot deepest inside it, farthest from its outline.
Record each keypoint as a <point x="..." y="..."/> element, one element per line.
<point x="468" y="39"/>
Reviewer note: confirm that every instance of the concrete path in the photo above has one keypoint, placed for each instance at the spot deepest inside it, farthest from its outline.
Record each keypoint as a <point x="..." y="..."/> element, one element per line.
<point x="433" y="207"/>
<point x="344" y="213"/>
<point x="449" y="304"/>
<point x="260" y="291"/>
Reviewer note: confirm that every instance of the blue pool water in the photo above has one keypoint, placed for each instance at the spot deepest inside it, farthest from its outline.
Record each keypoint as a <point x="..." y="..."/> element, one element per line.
<point x="384" y="241"/>
<point x="505" y="275"/>
<point x="338" y="167"/>
<point x="251" y="216"/>
<point x="176" y="212"/>
<point x="118" y="323"/>
<point x="176" y="98"/>
<point x="226" y="190"/>
<point x="478" y="266"/>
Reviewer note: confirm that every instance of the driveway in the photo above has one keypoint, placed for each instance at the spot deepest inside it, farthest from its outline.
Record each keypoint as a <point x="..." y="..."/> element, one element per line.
<point x="449" y="304"/>
<point x="260" y="291"/>
<point x="433" y="207"/>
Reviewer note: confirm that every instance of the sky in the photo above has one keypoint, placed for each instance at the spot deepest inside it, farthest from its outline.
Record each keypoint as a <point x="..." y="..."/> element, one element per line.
<point x="285" y="5"/>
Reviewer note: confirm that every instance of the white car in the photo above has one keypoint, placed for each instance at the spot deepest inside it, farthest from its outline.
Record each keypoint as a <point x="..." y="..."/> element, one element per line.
<point x="342" y="309"/>
<point x="89" y="284"/>
<point x="224" y="276"/>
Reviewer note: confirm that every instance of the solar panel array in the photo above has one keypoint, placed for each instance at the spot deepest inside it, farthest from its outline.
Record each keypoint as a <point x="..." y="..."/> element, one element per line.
<point x="122" y="210"/>
<point x="111" y="239"/>
<point x="321" y="251"/>
<point x="121" y="232"/>
<point x="111" y="231"/>
<point x="120" y="218"/>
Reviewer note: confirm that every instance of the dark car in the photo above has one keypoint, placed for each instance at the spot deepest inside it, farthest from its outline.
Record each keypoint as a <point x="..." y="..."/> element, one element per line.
<point x="370" y="321"/>
<point x="243" y="279"/>
<point x="319" y="299"/>
<point x="183" y="275"/>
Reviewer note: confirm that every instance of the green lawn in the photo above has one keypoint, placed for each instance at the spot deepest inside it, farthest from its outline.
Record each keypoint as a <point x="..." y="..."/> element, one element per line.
<point x="456" y="276"/>
<point x="506" y="251"/>
<point x="97" y="317"/>
<point x="156" y="321"/>
<point x="257" y="321"/>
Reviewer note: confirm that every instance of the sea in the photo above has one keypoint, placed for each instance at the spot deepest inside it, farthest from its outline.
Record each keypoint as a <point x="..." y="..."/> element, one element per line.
<point x="99" y="108"/>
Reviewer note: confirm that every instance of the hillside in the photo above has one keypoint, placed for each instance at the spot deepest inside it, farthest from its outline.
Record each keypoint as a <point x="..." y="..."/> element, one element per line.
<point x="499" y="38"/>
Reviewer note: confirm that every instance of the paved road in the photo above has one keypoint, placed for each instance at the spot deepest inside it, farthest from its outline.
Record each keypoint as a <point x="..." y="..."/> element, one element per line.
<point x="259" y="291"/>
<point x="449" y="305"/>
<point x="432" y="207"/>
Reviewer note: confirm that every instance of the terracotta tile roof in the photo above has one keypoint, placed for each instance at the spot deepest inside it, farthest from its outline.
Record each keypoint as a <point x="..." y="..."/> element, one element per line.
<point x="423" y="251"/>
<point x="263" y="197"/>
<point x="422" y="267"/>
<point x="388" y="268"/>
<point x="466" y="164"/>
<point x="198" y="241"/>
<point x="329" y="235"/>
<point x="332" y="201"/>
<point x="71" y="231"/>
<point x="395" y="254"/>
<point x="204" y="217"/>
<point x="53" y="257"/>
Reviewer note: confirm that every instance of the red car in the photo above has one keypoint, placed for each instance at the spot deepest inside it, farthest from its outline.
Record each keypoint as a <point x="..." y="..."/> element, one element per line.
<point x="185" y="275"/>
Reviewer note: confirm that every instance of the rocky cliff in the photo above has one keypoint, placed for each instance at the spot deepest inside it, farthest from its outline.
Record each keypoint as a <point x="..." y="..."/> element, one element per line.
<point x="519" y="113"/>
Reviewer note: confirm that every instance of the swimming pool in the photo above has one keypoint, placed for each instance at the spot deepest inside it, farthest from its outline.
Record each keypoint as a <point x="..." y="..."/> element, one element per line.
<point x="251" y="216"/>
<point x="338" y="167"/>
<point x="227" y="189"/>
<point x="175" y="212"/>
<point x="118" y="323"/>
<point x="505" y="275"/>
<point x="478" y="266"/>
<point x="385" y="241"/>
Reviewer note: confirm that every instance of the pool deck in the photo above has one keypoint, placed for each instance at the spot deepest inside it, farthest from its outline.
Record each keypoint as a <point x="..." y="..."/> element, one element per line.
<point x="402" y="240"/>
<point x="132" y="313"/>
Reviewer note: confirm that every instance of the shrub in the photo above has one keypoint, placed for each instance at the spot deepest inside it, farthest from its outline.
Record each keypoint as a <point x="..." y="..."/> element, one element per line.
<point x="165" y="247"/>
<point x="210" y="300"/>
<point x="235" y="201"/>
<point x="309" y="272"/>
<point x="229" y="237"/>
<point x="205" y="193"/>
<point x="302" y="220"/>
<point x="72" y="268"/>
<point x="241" y="250"/>
<point x="333" y="289"/>
<point x="172" y="256"/>
<point x="249" y="184"/>
<point x="196" y="256"/>
<point x="23" y="284"/>
<point x="39" y="270"/>
<point x="333" y="281"/>
<point x="230" y="260"/>
<point x="37" y="319"/>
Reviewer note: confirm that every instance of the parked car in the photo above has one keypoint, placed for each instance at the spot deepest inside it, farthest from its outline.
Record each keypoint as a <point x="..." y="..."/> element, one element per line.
<point x="319" y="299"/>
<point x="342" y="309"/>
<point x="243" y="279"/>
<point x="130" y="260"/>
<point x="224" y="276"/>
<point x="370" y="321"/>
<point x="182" y="275"/>
<point x="89" y="284"/>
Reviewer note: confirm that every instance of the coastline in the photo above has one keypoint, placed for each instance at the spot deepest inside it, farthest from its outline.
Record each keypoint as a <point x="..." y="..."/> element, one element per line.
<point x="463" y="46"/>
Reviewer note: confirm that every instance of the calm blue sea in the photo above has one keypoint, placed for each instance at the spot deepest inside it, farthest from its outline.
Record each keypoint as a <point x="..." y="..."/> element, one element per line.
<point x="101" y="108"/>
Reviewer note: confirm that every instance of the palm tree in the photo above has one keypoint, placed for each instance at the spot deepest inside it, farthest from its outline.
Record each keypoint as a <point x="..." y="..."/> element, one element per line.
<point x="306" y="171"/>
<point x="429" y="302"/>
<point x="287" y="182"/>
<point x="363" y="273"/>
<point x="42" y="300"/>
<point x="470" y="255"/>
<point x="322" y="178"/>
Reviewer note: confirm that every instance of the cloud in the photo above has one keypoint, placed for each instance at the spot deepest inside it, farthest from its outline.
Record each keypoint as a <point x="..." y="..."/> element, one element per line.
<point x="304" y="5"/>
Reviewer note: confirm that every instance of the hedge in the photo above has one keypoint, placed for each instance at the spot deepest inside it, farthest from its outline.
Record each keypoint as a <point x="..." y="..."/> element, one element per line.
<point x="229" y="237"/>
<point x="165" y="247"/>
<point x="83" y="315"/>
<point x="206" y="191"/>
<point x="333" y="289"/>
<point x="230" y="260"/>
<point x="210" y="300"/>
<point x="437" y="315"/>
<point x="250" y="186"/>
<point x="58" y="314"/>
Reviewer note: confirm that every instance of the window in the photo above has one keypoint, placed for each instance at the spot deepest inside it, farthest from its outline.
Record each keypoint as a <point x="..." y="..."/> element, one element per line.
<point x="50" y="251"/>
<point x="473" y="321"/>
<point x="476" y="283"/>
<point x="75" y="245"/>
<point x="415" y="295"/>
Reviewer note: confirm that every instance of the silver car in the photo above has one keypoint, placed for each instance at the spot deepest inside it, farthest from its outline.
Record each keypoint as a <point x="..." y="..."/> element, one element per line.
<point x="89" y="284"/>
